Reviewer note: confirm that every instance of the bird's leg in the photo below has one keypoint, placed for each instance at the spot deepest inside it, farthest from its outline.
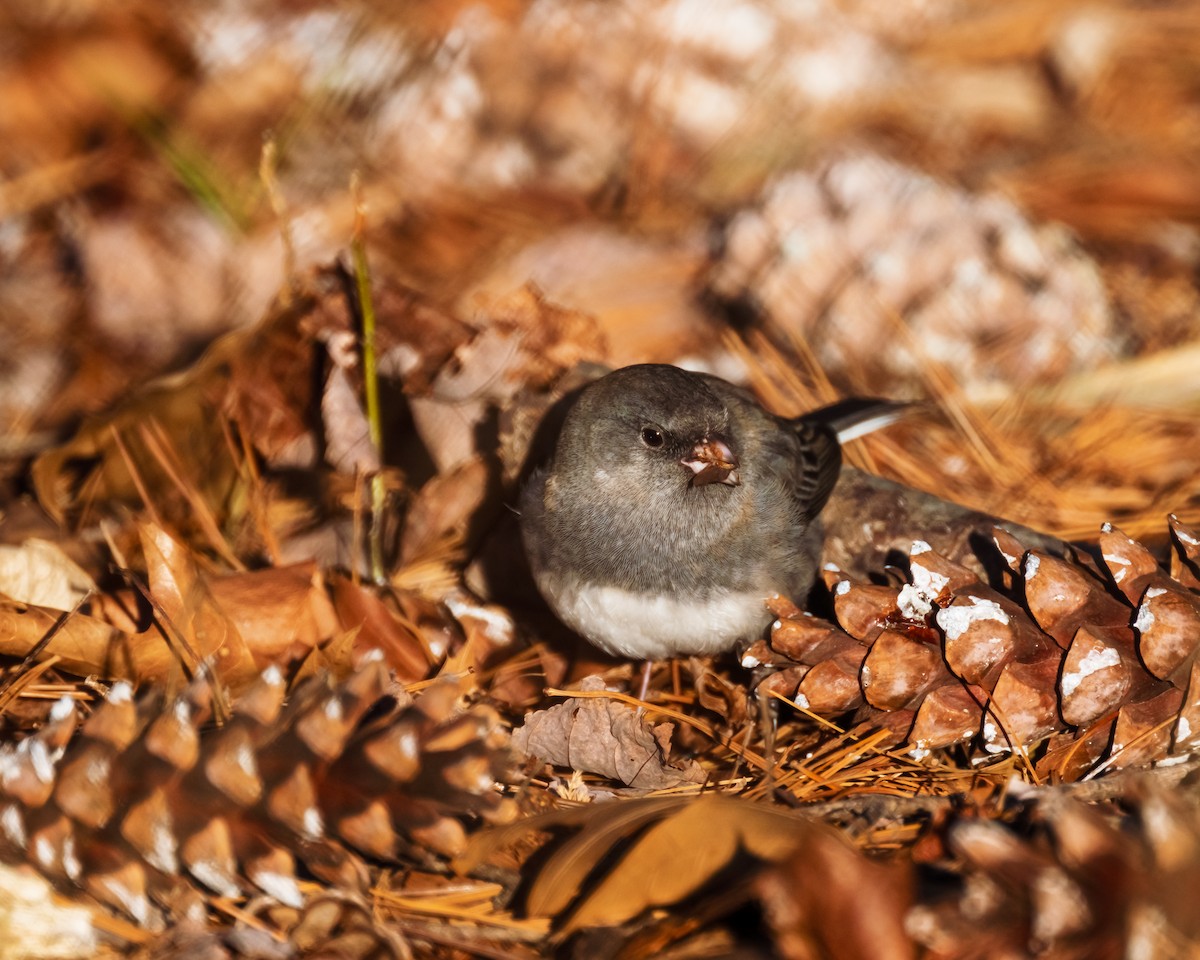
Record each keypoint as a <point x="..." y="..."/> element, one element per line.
<point x="647" y="669"/>
<point x="767" y="710"/>
<point x="767" y="716"/>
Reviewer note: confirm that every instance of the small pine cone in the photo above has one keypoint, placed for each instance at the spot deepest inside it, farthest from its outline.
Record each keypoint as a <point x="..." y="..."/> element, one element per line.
<point x="1097" y="661"/>
<point x="148" y="813"/>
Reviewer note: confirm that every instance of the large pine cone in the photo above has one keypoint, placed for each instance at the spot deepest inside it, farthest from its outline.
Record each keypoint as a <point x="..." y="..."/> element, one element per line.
<point x="148" y="813"/>
<point x="1096" y="662"/>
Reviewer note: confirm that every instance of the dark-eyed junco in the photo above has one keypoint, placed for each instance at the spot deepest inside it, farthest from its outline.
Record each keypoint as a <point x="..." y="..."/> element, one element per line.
<point x="674" y="505"/>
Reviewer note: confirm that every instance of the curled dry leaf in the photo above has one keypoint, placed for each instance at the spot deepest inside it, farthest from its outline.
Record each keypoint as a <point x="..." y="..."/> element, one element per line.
<point x="257" y="384"/>
<point x="245" y="621"/>
<point x="239" y="622"/>
<point x="683" y="852"/>
<point x="258" y="378"/>
<point x="491" y="642"/>
<point x="606" y="737"/>
<point x="527" y="343"/>
<point x="280" y="612"/>
<point x="348" y="446"/>
<point x="95" y="464"/>
<point x="628" y="856"/>
<point x="84" y="645"/>
<point x="446" y="509"/>
<point x="408" y="643"/>
<point x="192" y="616"/>
<point x="640" y="288"/>
<point x="39" y="573"/>
<point x="1102" y="881"/>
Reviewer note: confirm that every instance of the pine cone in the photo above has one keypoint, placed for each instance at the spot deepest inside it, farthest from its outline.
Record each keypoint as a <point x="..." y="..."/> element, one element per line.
<point x="837" y="255"/>
<point x="1059" y="879"/>
<point x="1098" y="662"/>
<point x="147" y="812"/>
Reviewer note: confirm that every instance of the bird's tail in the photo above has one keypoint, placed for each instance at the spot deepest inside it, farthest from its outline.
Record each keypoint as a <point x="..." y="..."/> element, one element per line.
<point x="858" y="416"/>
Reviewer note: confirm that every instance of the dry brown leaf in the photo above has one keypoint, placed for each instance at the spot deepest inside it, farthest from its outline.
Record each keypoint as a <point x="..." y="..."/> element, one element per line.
<point x="39" y="573"/>
<point x="61" y="92"/>
<point x="83" y="644"/>
<point x="628" y="856"/>
<point x="526" y="343"/>
<point x="602" y="827"/>
<point x="640" y="289"/>
<point x="337" y="658"/>
<point x="280" y="612"/>
<point x="94" y="465"/>
<point x="182" y="594"/>
<point x="445" y="508"/>
<point x="376" y="627"/>
<point x="684" y="851"/>
<point x="598" y="735"/>
<point x="269" y="615"/>
<point x="348" y="446"/>
<point x="257" y="377"/>
<point x="260" y="378"/>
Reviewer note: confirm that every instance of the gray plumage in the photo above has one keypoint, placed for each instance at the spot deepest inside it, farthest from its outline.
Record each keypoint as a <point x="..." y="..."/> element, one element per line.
<point x="674" y="505"/>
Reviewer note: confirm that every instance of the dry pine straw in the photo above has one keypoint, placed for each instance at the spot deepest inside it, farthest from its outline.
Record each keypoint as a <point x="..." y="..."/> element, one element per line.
<point x="829" y="766"/>
<point x="1058" y="459"/>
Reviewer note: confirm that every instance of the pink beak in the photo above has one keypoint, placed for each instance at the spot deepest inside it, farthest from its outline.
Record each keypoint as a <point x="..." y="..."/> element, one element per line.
<point x="711" y="461"/>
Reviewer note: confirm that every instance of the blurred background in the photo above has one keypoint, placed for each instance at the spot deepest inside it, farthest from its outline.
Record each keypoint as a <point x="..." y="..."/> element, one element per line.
<point x="991" y="205"/>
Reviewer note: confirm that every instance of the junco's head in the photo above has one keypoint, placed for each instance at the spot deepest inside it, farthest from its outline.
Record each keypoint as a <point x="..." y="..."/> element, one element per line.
<point x="648" y="428"/>
<point x="673" y="506"/>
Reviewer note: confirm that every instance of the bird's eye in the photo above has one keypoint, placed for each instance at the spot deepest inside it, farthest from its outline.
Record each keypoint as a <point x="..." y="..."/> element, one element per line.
<point x="652" y="437"/>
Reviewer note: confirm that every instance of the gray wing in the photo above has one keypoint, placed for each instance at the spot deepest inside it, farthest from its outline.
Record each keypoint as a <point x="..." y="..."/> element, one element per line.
<point x="820" y="435"/>
<point x="816" y="459"/>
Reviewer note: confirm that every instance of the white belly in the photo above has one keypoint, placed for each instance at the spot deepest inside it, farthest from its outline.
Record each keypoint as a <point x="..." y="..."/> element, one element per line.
<point x="630" y="624"/>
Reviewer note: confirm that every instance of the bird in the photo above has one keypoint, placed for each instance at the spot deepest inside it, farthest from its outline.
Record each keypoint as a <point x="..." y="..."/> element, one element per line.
<point x="674" y="505"/>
